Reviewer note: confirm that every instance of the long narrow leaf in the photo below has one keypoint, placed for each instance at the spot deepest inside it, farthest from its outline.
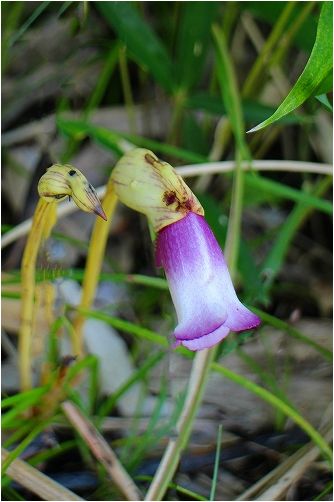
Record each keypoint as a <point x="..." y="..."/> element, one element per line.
<point x="193" y="40"/>
<point x="286" y="192"/>
<point x="318" y="67"/>
<point x="146" y="48"/>
<point x="114" y="140"/>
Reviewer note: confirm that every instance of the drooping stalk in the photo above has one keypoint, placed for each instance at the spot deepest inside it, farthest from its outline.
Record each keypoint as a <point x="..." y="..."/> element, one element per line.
<point x="44" y="215"/>
<point x="94" y="261"/>
<point x="56" y="184"/>
<point x="169" y="462"/>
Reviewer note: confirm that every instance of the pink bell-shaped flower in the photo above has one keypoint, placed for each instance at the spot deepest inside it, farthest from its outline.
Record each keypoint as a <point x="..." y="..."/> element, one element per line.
<point x="200" y="284"/>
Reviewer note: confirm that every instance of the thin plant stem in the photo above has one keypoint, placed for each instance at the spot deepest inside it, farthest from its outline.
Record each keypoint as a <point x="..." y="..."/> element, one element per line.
<point x="177" y="116"/>
<point x="94" y="100"/>
<point x="216" y="467"/>
<point x="290" y="33"/>
<point x="102" y="451"/>
<point x="277" y="403"/>
<point x="127" y="92"/>
<point x="268" y="53"/>
<point x="233" y="232"/>
<point x="293" y="332"/>
<point x="197" y="382"/>
<point x="229" y="89"/>
<point x="16" y="452"/>
<point x="262" y="61"/>
<point x="41" y="219"/>
<point x="19" y="32"/>
<point x="37" y="482"/>
<point x="94" y="261"/>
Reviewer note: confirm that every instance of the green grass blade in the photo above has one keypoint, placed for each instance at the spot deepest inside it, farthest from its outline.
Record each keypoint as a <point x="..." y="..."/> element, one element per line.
<point x="264" y="394"/>
<point x="319" y="65"/>
<point x="133" y="329"/>
<point x="327" y="490"/>
<point x="52" y="452"/>
<point x="217" y="459"/>
<point x="113" y="140"/>
<point x="185" y="491"/>
<point x="27" y="398"/>
<point x="253" y="111"/>
<point x="126" y="326"/>
<point x="271" y="11"/>
<point x="109" y="403"/>
<point x="293" y="332"/>
<point x="24" y="444"/>
<point x="323" y="99"/>
<point x="19" y="433"/>
<point x="40" y="8"/>
<point x="229" y="90"/>
<point x="103" y="80"/>
<point x="301" y="211"/>
<point x="285" y="192"/>
<point x="141" y="41"/>
<point x="78" y="274"/>
<point x="278" y="404"/>
<point x="192" y="41"/>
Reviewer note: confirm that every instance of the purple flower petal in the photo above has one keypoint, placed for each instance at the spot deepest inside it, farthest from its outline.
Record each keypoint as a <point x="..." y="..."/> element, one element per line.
<point x="200" y="284"/>
<point x="206" y="341"/>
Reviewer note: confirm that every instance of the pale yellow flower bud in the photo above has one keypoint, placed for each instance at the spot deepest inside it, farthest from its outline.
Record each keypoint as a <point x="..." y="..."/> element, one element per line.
<point x="61" y="181"/>
<point x="151" y="186"/>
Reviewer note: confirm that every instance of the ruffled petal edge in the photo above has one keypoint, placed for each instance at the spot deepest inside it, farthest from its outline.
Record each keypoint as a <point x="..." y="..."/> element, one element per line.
<point x="206" y="341"/>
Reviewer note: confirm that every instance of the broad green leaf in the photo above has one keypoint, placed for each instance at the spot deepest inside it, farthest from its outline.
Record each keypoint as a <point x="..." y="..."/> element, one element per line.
<point x="316" y="70"/>
<point x="141" y="41"/>
<point x="192" y="42"/>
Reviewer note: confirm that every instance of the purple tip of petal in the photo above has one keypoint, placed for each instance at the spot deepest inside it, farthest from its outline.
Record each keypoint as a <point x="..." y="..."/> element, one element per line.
<point x="242" y="319"/>
<point x="207" y="341"/>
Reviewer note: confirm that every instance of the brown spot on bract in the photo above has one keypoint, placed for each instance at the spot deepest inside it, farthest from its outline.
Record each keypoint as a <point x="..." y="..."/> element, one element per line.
<point x="169" y="198"/>
<point x="187" y="205"/>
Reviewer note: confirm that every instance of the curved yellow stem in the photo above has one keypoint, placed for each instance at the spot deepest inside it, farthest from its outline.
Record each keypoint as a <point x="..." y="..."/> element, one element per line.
<point x="57" y="183"/>
<point x="94" y="261"/>
<point x="44" y="215"/>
